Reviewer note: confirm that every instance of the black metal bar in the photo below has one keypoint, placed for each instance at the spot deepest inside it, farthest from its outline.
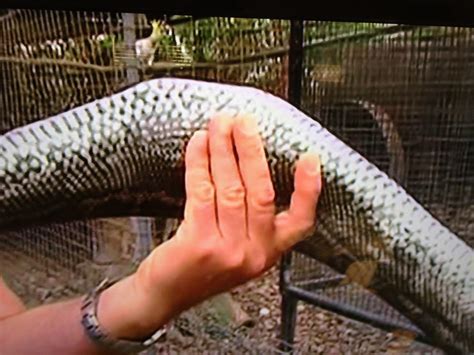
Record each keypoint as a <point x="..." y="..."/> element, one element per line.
<point x="352" y="312"/>
<point x="424" y="12"/>
<point x="295" y="72"/>
<point x="285" y="270"/>
<point x="289" y="305"/>
<point x="295" y="62"/>
<point x="321" y="283"/>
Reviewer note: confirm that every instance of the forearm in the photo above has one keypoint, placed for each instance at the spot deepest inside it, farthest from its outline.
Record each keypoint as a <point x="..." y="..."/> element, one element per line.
<point x="57" y="328"/>
<point x="10" y="303"/>
<point x="49" y="329"/>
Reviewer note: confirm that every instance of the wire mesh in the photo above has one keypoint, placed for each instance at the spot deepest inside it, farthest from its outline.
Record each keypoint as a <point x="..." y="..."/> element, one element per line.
<point x="329" y="286"/>
<point x="418" y="84"/>
<point x="401" y="95"/>
<point x="49" y="262"/>
<point x="53" y="61"/>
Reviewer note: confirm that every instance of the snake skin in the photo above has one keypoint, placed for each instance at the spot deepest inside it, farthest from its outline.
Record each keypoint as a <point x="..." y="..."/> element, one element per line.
<point x="123" y="155"/>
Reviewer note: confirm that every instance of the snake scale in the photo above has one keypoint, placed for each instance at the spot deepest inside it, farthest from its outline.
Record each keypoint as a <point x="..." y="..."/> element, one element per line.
<point x="123" y="155"/>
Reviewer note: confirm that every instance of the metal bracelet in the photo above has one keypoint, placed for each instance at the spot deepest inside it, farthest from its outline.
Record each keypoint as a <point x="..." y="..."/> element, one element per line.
<point x="99" y="336"/>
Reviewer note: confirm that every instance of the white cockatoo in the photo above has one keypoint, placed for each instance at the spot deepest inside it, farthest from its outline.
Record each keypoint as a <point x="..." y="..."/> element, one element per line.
<point x="145" y="48"/>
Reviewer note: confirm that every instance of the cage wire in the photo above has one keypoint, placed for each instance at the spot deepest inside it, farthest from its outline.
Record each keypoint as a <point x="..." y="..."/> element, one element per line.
<point x="52" y="61"/>
<point x="404" y="100"/>
<point x="401" y="95"/>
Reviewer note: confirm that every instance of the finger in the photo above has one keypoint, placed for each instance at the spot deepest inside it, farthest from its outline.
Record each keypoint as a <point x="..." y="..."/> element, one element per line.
<point x="230" y="193"/>
<point x="200" y="196"/>
<point x="256" y="179"/>
<point x="307" y="188"/>
<point x="294" y="225"/>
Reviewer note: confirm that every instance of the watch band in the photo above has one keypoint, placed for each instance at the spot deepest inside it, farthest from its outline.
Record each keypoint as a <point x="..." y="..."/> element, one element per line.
<point x="99" y="336"/>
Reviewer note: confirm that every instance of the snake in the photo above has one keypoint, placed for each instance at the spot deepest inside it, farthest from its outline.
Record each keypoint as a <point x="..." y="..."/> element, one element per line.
<point x="123" y="155"/>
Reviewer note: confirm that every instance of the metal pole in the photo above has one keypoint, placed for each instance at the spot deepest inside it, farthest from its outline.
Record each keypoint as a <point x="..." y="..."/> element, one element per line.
<point x="295" y="62"/>
<point x="131" y="61"/>
<point x="289" y="301"/>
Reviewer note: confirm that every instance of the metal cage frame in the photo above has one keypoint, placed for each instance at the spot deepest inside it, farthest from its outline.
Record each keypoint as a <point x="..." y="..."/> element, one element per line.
<point x="292" y="293"/>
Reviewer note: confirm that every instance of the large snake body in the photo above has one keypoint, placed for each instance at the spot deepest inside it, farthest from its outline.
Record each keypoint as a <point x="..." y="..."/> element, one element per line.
<point x="123" y="155"/>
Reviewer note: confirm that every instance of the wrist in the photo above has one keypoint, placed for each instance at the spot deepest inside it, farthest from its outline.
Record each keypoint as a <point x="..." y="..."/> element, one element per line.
<point x="125" y="314"/>
<point x="162" y="278"/>
<point x="108" y="340"/>
<point x="138" y="305"/>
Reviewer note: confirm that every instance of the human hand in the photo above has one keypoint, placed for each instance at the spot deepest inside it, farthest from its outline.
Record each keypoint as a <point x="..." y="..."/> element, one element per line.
<point x="230" y="233"/>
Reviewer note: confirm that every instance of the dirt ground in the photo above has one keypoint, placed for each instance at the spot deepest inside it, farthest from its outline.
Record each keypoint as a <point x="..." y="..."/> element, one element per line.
<point x="317" y="332"/>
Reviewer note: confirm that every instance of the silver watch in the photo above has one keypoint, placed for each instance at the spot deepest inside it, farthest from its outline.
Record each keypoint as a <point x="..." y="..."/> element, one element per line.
<point x="100" y="337"/>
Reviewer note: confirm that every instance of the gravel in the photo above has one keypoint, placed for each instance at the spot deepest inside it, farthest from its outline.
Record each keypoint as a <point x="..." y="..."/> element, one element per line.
<point x="317" y="331"/>
<point x="197" y="331"/>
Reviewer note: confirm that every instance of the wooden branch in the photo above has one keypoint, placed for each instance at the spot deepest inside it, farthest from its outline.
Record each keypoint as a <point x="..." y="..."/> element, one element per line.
<point x="235" y="61"/>
<point x="60" y="62"/>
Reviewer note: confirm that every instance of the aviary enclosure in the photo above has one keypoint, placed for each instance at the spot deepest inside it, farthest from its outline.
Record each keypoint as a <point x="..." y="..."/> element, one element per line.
<point x="401" y="95"/>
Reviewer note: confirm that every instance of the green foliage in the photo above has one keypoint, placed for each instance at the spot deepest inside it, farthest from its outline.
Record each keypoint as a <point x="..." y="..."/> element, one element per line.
<point x="215" y="39"/>
<point x="108" y="41"/>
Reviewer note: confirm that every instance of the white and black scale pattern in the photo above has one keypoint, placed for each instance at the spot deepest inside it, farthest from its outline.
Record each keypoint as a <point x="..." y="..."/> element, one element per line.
<point x="134" y="141"/>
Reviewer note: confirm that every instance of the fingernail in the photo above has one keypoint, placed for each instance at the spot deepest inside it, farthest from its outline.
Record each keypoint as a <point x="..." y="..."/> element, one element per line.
<point x="311" y="163"/>
<point x="248" y="125"/>
<point x="200" y="134"/>
<point x="220" y="123"/>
